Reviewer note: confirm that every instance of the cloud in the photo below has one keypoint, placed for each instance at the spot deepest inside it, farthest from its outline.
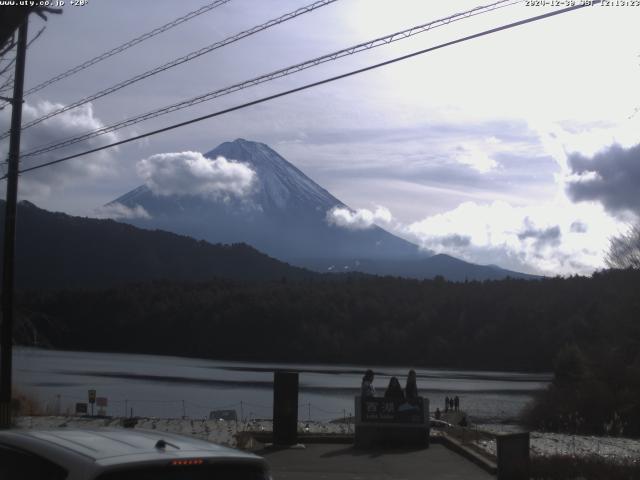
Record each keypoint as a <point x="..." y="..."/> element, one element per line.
<point x="425" y="167"/>
<point x="578" y="227"/>
<point x="545" y="239"/>
<point x="455" y="240"/>
<point x="360" y="219"/>
<point x="541" y="237"/>
<point x="118" y="211"/>
<point x="191" y="173"/>
<point x="476" y="158"/>
<point x="610" y="177"/>
<point x="38" y="185"/>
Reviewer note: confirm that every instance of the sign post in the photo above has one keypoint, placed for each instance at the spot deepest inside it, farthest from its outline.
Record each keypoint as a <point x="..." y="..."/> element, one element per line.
<point x="285" y="408"/>
<point x="92" y="399"/>
<point x="102" y="403"/>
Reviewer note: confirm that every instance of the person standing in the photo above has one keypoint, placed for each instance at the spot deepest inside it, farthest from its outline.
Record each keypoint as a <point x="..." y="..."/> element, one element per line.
<point x="456" y="403"/>
<point x="446" y="404"/>
<point x="464" y="422"/>
<point x="366" y="389"/>
<point x="411" y="389"/>
<point x="394" y="391"/>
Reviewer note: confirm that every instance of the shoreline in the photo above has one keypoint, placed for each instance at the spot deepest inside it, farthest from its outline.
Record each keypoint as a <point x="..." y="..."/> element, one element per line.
<point x="544" y="375"/>
<point x="228" y="432"/>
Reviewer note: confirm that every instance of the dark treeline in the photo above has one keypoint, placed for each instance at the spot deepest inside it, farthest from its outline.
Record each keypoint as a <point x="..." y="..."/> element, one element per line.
<point x="586" y="330"/>
<point x="505" y="325"/>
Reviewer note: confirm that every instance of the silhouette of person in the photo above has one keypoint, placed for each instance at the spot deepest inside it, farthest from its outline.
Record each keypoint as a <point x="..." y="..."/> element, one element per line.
<point x="366" y="389"/>
<point x="451" y="404"/>
<point x="394" y="390"/>
<point x="411" y="390"/>
<point x="456" y="403"/>
<point x="438" y="414"/>
<point x="446" y="404"/>
<point x="463" y="422"/>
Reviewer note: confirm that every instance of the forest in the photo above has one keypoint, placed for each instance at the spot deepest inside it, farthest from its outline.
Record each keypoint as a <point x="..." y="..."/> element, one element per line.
<point x="505" y="325"/>
<point x="586" y="330"/>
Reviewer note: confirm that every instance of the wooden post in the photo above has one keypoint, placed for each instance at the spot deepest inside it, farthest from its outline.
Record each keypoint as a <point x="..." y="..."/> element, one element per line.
<point x="285" y="408"/>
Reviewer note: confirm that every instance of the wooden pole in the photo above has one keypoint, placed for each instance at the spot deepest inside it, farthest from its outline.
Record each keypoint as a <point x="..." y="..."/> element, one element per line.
<point x="8" y="277"/>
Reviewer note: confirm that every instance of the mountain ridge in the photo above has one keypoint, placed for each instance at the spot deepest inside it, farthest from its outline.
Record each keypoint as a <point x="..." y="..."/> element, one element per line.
<point x="286" y="216"/>
<point x="56" y="250"/>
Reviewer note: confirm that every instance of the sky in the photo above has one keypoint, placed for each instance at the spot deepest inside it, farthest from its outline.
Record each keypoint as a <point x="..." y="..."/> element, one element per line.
<point x="520" y="149"/>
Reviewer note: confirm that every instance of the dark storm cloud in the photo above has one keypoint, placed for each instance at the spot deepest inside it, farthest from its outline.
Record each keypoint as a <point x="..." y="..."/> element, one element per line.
<point x="542" y="236"/>
<point x="613" y="176"/>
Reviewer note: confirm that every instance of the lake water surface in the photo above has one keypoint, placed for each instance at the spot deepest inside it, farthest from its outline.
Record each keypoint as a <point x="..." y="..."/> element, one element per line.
<point x="161" y="386"/>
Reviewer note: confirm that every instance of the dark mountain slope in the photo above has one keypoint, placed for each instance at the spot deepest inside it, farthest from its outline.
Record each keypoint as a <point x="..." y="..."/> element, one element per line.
<point x="55" y="250"/>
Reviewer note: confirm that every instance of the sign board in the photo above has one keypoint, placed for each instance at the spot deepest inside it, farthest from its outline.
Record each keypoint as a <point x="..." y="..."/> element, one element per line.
<point x="92" y="396"/>
<point x="383" y="410"/>
<point x="101" y="401"/>
<point x="81" y="408"/>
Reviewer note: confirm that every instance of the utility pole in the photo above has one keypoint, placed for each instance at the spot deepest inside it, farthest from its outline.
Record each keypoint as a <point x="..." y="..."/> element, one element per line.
<point x="6" y="331"/>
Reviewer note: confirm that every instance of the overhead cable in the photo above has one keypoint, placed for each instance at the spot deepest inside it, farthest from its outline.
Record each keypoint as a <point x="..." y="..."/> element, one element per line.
<point x="315" y="84"/>
<point x="273" y="75"/>
<point x="127" y="45"/>
<point x="178" y="61"/>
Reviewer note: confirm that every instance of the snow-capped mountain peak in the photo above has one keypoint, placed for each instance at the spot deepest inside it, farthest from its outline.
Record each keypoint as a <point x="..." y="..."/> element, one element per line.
<point x="279" y="183"/>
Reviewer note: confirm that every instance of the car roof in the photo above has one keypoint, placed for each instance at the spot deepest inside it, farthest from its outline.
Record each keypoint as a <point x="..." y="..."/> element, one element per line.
<point x="107" y="446"/>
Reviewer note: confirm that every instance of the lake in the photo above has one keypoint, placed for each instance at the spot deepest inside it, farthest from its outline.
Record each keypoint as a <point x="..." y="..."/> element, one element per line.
<point x="161" y="386"/>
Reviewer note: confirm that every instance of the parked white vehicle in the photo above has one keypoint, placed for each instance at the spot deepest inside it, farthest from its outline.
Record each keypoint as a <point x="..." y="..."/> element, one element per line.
<point x="121" y="454"/>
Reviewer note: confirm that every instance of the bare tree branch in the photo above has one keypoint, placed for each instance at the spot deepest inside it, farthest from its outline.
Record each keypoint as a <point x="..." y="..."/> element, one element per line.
<point x="35" y="37"/>
<point x="7" y="46"/>
<point x="624" y="250"/>
<point x="40" y="11"/>
<point x="8" y="66"/>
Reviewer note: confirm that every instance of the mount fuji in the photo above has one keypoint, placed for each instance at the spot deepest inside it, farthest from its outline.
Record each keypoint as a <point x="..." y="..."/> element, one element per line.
<point x="285" y="216"/>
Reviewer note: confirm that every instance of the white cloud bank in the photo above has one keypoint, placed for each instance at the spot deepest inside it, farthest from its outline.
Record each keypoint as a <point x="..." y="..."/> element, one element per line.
<point x="551" y="239"/>
<point x="38" y="185"/>
<point x="555" y="238"/>
<point x="360" y="219"/>
<point x="191" y="173"/>
<point x="479" y="156"/>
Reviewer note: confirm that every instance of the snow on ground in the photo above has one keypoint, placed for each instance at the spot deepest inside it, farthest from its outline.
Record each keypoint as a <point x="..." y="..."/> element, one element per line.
<point x="223" y="432"/>
<point x="217" y="431"/>
<point x="547" y="444"/>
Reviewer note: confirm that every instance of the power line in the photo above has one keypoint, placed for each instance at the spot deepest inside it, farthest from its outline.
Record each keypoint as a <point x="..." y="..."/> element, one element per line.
<point x="9" y="81"/>
<point x="127" y="45"/>
<point x="179" y="61"/>
<point x="315" y="84"/>
<point x="274" y="75"/>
